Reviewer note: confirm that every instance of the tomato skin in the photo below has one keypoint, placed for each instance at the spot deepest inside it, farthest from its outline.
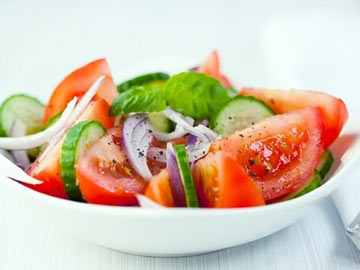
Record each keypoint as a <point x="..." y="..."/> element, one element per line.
<point x="48" y="168"/>
<point x="105" y="175"/>
<point x="333" y="109"/>
<point x="221" y="183"/>
<point x="77" y="83"/>
<point x="211" y="67"/>
<point x="281" y="152"/>
<point x="159" y="190"/>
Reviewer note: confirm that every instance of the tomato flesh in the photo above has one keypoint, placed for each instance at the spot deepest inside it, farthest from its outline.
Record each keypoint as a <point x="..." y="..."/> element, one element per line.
<point x="159" y="190"/>
<point x="211" y="67"/>
<point x="221" y="183"/>
<point x="105" y="175"/>
<point x="280" y="153"/>
<point x="47" y="168"/>
<point x="77" y="83"/>
<point x="333" y="109"/>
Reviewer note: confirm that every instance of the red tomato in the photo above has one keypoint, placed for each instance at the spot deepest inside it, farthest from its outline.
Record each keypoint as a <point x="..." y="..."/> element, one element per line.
<point x="281" y="152"/>
<point x="221" y="183"/>
<point x="159" y="190"/>
<point x="211" y="67"/>
<point x="105" y="175"/>
<point x="333" y="109"/>
<point x="77" y="83"/>
<point x="47" y="168"/>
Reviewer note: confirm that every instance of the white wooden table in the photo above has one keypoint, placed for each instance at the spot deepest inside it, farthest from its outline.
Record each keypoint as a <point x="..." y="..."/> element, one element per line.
<point x="313" y="45"/>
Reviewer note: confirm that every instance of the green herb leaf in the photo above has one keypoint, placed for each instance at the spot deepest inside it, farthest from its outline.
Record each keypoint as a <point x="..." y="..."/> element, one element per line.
<point x="138" y="99"/>
<point x="195" y="94"/>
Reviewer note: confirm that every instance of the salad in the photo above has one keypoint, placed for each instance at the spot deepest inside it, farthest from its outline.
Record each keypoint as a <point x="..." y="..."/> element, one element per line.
<point x="181" y="140"/>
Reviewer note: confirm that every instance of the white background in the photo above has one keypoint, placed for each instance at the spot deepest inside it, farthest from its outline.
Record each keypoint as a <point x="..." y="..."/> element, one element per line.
<point x="303" y="44"/>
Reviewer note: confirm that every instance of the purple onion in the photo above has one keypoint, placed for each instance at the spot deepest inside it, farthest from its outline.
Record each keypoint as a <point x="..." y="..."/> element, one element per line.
<point x="136" y="142"/>
<point x="175" y="181"/>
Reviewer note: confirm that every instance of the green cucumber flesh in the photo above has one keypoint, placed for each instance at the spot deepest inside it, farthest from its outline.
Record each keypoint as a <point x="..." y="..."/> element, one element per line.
<point x="156" y="79"/>
<point x="161" y="122"/>
<point x="186" y="176"/>
<point x="28" y="110"/>
<point x="238" y="114"/>
<point x="77" y="140"/>
<point x="325" y="163"/>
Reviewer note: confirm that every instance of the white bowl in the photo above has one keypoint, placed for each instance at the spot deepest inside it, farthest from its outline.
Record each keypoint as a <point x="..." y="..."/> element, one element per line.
<point x="177" y="232"/>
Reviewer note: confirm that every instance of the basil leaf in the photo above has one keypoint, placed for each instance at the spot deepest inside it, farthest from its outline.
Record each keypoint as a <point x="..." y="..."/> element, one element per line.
<point x="195" y="94"/>
<point x="138" y="99"/>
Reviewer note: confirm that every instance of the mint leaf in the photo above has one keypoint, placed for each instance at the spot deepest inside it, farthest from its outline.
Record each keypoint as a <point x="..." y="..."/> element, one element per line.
<point x="195" y="94"/>
<point x="138" y="99"/>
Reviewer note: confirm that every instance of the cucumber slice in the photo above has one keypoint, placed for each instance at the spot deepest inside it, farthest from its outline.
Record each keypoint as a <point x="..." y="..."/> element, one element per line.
<point x="156" y="79"/>
<point x="239" y="113"/>
<point x="28" y="110"/>
<point x="186" y="177"/>
<point x="325" y="163"/>
<point x="161" y="122"/>
<point x="77" y="140"/>
<point x="312" y="183"/>
<point x="21" y="107"/>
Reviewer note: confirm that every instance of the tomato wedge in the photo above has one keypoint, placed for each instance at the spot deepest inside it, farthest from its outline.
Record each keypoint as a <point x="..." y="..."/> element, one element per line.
<point x="105" y="175"/>
<point x="47" y="168"/>
<point x="333" y="109"/>
<point x="159" y="189"/>
<point x="211" y="67"/>
<point x="221" y="183"/>
<point x="77" y="83"/>
<point x="280" y="152"/>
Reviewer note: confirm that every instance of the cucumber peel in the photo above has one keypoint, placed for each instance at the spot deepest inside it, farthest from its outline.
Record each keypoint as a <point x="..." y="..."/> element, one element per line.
<point x="239" y="113"/>
<point x="186" y="176"/>
<point x="325" y="163"/>
<point x="77" y="140"/>
<point x="27" y="109"/>
<point x="312" y="183"/>
<point x="156" y="79"/>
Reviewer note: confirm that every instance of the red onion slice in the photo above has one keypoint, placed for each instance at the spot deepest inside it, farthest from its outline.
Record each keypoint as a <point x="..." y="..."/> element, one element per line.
<point x="182" y="122"/>
<point x="165" y="137"/>
<point x="136" y="141"/>
<point x="21" y="157"/>
<point x="175" y="181"/>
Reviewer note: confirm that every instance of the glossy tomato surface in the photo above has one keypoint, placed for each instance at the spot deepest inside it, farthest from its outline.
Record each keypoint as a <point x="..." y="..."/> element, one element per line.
<point x="47" y="165"/>
<point x="105" y="175"/>
<point x="77" y="83"/>
<point x="221" y="183"/>
<point x="333" y="109"/>
<point x="281" y="152"/>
